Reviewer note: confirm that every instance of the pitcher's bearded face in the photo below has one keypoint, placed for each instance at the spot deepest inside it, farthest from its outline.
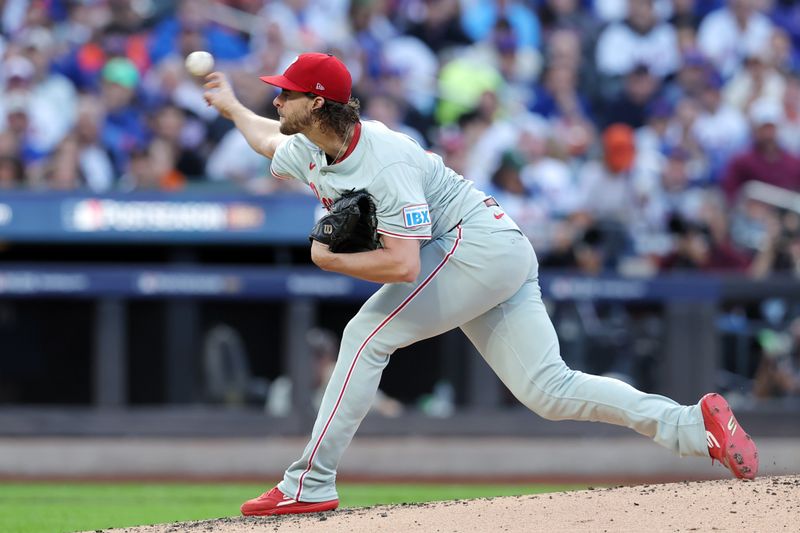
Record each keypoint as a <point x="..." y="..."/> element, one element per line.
<point x="296" y="122"/>
<point x="294" y="108"/>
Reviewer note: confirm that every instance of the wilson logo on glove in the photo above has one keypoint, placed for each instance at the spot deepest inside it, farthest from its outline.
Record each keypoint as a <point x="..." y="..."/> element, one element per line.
<point x="351" y="226"/>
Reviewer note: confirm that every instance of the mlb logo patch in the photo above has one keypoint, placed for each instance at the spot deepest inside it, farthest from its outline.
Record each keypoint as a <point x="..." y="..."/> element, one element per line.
<point x="416" y="215"/>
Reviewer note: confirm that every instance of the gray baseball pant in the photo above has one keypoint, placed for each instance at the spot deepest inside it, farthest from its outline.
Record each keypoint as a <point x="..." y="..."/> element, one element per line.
<point x="481" y="276"/>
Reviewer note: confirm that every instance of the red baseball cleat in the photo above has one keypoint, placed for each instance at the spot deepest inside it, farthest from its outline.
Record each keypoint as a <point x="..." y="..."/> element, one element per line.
<point x="276" y="502"/>
<point x="727" y="441"/>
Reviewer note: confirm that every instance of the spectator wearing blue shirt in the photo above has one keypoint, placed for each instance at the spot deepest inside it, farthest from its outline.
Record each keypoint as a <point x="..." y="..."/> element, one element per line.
<point x="630" y="107"/>
<point x="786" y="15"/>
<point x="558" y="95"/>
<point x="224" y="44"/>
<point x="441" y="27"/>
<point x="479" y="19"/>
<point x="124" y="128"/>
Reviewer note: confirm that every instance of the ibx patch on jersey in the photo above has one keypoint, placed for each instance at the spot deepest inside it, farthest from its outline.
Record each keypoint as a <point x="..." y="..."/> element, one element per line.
<point x="416" y="215"/>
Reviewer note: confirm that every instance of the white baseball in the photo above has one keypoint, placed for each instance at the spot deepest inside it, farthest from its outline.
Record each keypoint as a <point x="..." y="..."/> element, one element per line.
<point x="199" y="63"/>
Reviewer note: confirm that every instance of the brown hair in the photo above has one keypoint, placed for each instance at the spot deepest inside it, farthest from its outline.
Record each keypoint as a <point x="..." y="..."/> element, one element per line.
<point x="337" y="117"/>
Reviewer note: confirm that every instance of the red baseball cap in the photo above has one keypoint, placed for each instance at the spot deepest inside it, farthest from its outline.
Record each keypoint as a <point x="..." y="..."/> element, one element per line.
<point x="322" y="74"/>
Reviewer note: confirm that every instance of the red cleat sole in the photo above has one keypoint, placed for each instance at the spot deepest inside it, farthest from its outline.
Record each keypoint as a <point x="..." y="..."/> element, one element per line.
<point x="295" y="508"/>
<point x="275" y="502"/>
<point x="727" y="440"/>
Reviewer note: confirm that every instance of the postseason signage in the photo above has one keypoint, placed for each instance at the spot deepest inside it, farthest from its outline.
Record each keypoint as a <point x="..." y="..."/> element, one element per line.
<point x="53" y="217"/>
<point x="99" y="215"/>
<point x="89" y="281"/>
<point x="264" y="283"/>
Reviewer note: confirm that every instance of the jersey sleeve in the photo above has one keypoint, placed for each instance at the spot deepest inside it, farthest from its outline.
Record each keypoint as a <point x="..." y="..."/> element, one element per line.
<point x="402" y="210"/>
<point x="286" y="163"/>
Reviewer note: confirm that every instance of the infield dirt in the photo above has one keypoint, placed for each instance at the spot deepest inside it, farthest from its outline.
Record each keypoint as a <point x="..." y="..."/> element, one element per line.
<point x="768" y="504"/>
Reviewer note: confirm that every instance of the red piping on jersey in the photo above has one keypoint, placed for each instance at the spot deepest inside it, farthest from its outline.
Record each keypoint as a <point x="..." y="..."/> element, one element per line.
<point x="278" y="175"/>
<point x="402" y="236"/>
<point x="361" y="348"/>
<point x="353" y="143"/>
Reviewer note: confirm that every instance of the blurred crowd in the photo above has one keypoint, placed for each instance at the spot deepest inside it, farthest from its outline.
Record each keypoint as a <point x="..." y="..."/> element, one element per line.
<point x="621" y="134"/>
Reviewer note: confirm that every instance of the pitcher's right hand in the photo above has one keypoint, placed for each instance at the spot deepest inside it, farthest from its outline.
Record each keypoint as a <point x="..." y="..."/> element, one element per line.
<point x="219" y="94"/>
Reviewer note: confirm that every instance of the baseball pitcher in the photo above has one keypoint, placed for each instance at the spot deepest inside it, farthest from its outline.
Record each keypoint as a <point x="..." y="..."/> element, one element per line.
<point x="449" y="257"/>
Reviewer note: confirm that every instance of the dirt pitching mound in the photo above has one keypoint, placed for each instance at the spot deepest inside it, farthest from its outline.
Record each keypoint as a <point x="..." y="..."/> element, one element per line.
<point x="767" y="504"/>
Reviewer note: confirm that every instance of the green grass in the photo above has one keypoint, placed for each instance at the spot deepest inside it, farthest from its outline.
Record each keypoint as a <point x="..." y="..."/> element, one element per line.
<point x="66" y="507"/>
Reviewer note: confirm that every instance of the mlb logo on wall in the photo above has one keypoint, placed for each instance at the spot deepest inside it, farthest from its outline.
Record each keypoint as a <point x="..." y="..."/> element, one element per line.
<point x="416" y="215"/>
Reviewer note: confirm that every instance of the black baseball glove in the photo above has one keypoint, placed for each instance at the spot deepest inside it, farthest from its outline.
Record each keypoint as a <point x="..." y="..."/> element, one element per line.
<point x="351" y="226"/>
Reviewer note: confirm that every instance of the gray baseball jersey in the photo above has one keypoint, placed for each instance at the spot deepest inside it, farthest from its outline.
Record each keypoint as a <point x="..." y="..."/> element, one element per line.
<point x="478" y="273"/>
<point x="417" y="196"/>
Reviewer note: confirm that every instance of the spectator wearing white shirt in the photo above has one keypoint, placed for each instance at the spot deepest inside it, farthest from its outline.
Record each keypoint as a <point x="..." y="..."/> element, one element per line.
<point x="728" y="34"/>
<point x="45" y="121"/>
<point x="234" y="161"/>
<point x="720" y="129"/>
<point x="21" y="120"/>
<point x="307" y="24"/>
<point x="550" y="180"/>
<point x="52" y="93"/>
<point x="758" y="79"/>
<point x="641" y="39"/>
<point x="616" y="10"/>
<point x="789" y="129"/>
